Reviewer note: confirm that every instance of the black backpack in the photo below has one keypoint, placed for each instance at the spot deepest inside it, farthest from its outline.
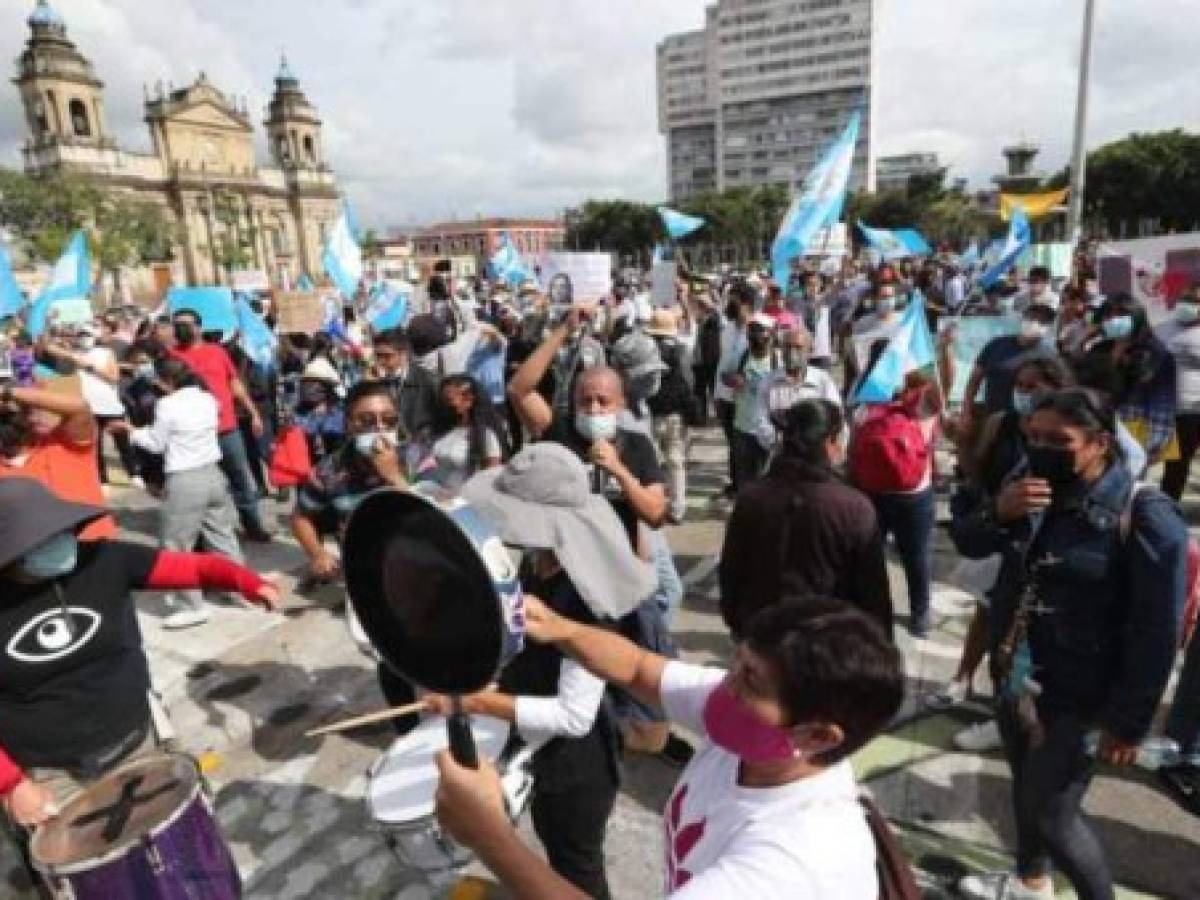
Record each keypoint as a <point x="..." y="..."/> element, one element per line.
<point x="708" y="345"/>
<point x="674" y="393"/>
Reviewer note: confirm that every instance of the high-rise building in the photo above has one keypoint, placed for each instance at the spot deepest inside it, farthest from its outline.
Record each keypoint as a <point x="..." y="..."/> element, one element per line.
<point x="893" y="172"/>
<point x="757" y="95"/>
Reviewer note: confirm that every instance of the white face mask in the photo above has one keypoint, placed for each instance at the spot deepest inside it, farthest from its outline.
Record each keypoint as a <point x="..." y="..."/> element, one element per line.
<point x="367" y="442"/>
<point x="599" y="427"/>
<point x="1033" y="331"/>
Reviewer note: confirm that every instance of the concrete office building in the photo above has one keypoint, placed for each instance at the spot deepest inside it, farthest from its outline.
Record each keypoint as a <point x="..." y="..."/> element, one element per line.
<point x="757" y="95"/>
<point x="893" y="172"/>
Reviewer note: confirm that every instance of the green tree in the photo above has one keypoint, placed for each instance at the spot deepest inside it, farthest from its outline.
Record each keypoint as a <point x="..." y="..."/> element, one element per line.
<point x="627" y="228"/>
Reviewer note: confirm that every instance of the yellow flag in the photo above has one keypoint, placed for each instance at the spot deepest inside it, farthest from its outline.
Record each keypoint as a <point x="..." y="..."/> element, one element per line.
<point x="1035" y="205"/>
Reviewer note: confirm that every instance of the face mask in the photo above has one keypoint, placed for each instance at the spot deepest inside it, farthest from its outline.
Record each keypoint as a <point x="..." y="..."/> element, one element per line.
<point x="1053" y="464"/>
<point x="145" y="371"/>
<point x="795" y="360"/>
<point x="1023" y="402"/>
<point x="1032" y="331"/>
<point x="366" y="443"/>
<point x="601" y="427"/>
<point x="733" y="727"/>
<point x="86" y="342"/>
<point x="52" y="558"/>
<point x="1187" y="313"/>
<point x="1118" y="328"/>
<point x="886" y="304"/>
<point x="185" y="333"/>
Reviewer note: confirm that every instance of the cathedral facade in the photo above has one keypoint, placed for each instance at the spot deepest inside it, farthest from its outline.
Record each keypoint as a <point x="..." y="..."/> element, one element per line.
<point x="202" y="170"/>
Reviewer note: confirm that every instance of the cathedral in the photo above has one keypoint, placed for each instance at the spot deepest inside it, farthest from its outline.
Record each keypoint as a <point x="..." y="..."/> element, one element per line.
<point x="202" y="168"/>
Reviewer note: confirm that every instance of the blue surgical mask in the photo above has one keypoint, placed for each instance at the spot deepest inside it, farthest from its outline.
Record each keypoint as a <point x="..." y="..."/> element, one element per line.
<point x="53" y="557"/>
<point x="1006" y="305"/>
<point x="1023" y="402"/>
<point x="1118" y="328"/>
<point x="886" y="304"/>
<point x="602" y="426"/>
<point x="145" y="371"/>
<point x="1187" y="313"/>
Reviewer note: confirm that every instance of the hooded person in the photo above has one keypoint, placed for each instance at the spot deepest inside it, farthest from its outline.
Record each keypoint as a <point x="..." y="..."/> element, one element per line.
<point x="74" y="681"/>
<point x="578" y="559"/>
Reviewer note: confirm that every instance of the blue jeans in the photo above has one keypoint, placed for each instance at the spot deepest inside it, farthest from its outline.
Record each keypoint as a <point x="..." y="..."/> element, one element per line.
<point x="1183" y="724"/>
<point x="910" y="518"/>
<point x="236" y="467"/>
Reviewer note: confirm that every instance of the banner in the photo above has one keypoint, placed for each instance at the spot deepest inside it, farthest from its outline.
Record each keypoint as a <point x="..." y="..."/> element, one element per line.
<point x="214" y="306"/>
<point x="971" y="335"/>
<point x="299" y="312"/>
<point x="662" y="284"/>
<point x="1054" y="256"/>
<point x="590" y="274"/>
<point x="1153" y="270"/>
<point x="1035" y="205"/>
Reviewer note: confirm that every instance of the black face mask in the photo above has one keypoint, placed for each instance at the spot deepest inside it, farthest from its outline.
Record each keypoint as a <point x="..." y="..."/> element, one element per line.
<point x="15" y="433"/>
<point x="1054" y="464"/>
<point x="185" y="333"/>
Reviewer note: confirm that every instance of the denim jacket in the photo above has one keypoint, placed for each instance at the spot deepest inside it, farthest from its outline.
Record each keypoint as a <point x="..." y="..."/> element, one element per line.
<point x="1104" y="629"/>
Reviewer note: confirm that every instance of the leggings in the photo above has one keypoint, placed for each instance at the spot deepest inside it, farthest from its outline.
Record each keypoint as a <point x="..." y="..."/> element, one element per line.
<point x="1048" y="785"/>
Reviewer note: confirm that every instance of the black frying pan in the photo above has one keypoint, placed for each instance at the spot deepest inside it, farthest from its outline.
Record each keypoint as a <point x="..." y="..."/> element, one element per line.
<point x="436" y="594"/>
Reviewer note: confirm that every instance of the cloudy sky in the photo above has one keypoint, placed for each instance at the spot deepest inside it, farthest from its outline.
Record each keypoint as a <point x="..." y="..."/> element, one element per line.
<point x="438" y="108"/>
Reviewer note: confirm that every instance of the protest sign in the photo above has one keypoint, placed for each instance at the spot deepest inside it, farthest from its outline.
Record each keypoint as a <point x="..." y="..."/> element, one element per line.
<point x="662" y="284"/>
<point x="590" y="273"/>
<point x="214" y="306"/>
<point x="971" y="335"/>
<point x="1154" y="270"/>
<point x="249" y="280"/>
<point x="299" y="312"/>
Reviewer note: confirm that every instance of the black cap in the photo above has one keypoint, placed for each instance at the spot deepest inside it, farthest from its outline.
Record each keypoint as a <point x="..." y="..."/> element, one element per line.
<point x="30" y="515"/>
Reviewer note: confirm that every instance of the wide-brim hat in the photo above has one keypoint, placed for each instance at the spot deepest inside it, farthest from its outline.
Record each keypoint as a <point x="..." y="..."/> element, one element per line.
<point x="663" y="323"/>
<point x="321" y="369"/>
<point x="543" y="499"/>
<point x="30" y="514"/>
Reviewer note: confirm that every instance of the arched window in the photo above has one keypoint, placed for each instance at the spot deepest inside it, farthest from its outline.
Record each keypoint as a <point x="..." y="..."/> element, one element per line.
<point x="40" y="118"/>
<point x="281" y="147"/>
<point x="80" y="123"/>
<point x="310" y="152"/>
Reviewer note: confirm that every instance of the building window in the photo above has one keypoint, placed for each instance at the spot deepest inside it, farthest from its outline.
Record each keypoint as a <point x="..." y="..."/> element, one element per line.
<point x="310" y="152"/>
<point x="281" y="148"/>
<point x="79" y="118"/>
<point x="41" y="120"/>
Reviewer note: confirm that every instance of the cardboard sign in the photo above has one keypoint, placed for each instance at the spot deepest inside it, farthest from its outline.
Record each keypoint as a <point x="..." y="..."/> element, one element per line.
<point x="214" y="306"/>
<point x="971" y="335"/>
<point x="299" y="312"/>
<point x="662" y="284"/>
<point x="590" y="274"/>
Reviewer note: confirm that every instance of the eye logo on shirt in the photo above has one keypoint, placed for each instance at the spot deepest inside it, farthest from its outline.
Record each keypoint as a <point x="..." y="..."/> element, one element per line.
<point x="49" y="636"/>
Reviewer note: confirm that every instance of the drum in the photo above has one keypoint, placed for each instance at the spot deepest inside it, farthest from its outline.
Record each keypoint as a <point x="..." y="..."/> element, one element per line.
<point x="400" y="793"/>
<point x="144" y="830"/>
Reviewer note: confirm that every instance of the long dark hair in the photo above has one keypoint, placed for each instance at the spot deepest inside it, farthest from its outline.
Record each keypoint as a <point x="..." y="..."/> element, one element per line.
<point x="480" y="420"/>
<point x="807" y="428"/>
<point x="177" y="373"/>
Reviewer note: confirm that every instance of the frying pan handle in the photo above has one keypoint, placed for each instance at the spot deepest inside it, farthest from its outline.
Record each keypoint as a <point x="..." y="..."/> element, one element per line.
<point x="462" y="741"/>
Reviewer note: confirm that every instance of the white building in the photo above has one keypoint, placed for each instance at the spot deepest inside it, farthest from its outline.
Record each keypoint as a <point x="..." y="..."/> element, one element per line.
<point x="758" y="94"/>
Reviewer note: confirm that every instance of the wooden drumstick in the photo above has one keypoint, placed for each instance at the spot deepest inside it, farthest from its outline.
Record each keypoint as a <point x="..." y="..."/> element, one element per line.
<point x="381" y="716"/>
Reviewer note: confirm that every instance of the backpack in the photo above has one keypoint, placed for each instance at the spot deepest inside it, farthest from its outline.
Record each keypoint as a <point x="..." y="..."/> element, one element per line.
<point x="708" y="343"/>
<point x="896" y="879"/>
<point x="889" y="453"/>
<point x="674" y="393"/>
<point x="1191" y="605"/>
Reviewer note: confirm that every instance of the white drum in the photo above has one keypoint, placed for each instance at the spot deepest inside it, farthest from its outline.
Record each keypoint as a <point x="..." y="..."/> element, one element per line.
<point x="403" y="781"/>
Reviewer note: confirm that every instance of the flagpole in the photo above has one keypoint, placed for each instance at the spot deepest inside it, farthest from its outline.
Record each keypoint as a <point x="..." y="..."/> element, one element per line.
<point x="1079" y="156"/>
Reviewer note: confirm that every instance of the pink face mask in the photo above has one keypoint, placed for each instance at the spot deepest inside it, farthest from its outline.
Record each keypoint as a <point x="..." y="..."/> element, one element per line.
<point x="734" y="727"/>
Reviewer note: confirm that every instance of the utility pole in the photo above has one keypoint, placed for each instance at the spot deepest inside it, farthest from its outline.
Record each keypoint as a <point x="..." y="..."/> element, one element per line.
<point x="1079" y="156"/>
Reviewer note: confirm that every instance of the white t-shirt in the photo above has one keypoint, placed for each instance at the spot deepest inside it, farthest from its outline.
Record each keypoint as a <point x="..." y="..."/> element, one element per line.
<point x="101" y="396"/>
<point x="800" y="841"/>
<point x="1184" y="343"/>
<point x="733" y="345"/>
<point x="184" y="430"/>
<point x="452" y="452"/>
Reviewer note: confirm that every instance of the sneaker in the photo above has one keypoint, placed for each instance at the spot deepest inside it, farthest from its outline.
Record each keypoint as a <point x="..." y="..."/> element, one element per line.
<point x="1001" y="886"/>
<point x="954" y="693"/>
<point x="137" y="482"/>
<point x="185" y="618"/>
<point x="676" y="752"/>
<point x="979" y="738"/>
<point x="1183" y="783"/>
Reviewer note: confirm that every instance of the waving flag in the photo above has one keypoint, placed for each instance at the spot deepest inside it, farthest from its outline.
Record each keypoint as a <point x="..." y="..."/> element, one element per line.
<point x="256" y="338"/>
<point x="818" y="205"/>
<point x="909" y="350"/>
<point x="11" y="298"/>
<point x="506" y="264"/>
<point x="679" y="225"/>
<point x="914" y="241"/>
<point x="1019" y="238"/>
<point x="1035" y="206"/>
<point x="67" y="292"/>
<point x="387" y="307"/>
<point x="342" y="257"/>
<point x="889" y="243"/>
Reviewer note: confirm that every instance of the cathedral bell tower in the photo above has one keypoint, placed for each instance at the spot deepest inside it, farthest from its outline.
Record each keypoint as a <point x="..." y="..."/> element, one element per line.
<point x="293" y="127"/>
<point x="63" y="98"/>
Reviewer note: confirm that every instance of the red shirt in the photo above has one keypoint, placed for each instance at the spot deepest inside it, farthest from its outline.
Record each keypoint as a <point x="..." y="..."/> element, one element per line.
<point x="213" y="366"/>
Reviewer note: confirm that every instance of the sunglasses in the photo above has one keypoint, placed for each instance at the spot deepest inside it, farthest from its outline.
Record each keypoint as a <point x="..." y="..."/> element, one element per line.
<point x="376" y="421"/>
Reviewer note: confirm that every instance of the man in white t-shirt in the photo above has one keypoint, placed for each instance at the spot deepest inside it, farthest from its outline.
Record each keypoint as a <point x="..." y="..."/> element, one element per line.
<point x="767" y="809"/>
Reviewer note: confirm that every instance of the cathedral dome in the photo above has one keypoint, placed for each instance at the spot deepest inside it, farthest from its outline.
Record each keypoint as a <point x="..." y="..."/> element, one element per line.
<point x="43" y="14"/>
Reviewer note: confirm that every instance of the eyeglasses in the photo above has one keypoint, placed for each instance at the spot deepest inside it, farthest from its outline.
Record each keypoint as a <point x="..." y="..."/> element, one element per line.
<point x="376" y="421"/>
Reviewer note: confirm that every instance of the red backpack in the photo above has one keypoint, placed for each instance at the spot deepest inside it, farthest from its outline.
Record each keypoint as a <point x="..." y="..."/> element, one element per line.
<point x="888" y="453"/>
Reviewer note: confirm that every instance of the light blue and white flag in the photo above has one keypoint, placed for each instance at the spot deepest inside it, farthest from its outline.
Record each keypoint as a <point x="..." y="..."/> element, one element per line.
<point x="914" y="241"/>
<point x="679" y="225"/>
<point x="387" y="307"/>
<point x="11" y="298"/>
<point x="255" y="336"/>
<point x="1018" y="240"/>
<point x="910" y="349"/>
<point x="304" y="283"/>
<point x="969" y="258"/>
<point x="506" y="264"/>
<point x="342" y="257"/>
<point x="887" y="242"/>
<point x="67" y="292"/>
<point x="818" y="205"/>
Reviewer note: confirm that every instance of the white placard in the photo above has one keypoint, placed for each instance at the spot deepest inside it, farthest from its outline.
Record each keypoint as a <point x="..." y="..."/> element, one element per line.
<point x="662" y="284"/>
<point x="249" y="280"/>
<point x="590" y="273"/>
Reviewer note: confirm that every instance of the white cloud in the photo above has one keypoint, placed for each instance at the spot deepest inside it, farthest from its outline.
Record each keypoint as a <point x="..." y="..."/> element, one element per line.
<point x="464" y="107"/>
